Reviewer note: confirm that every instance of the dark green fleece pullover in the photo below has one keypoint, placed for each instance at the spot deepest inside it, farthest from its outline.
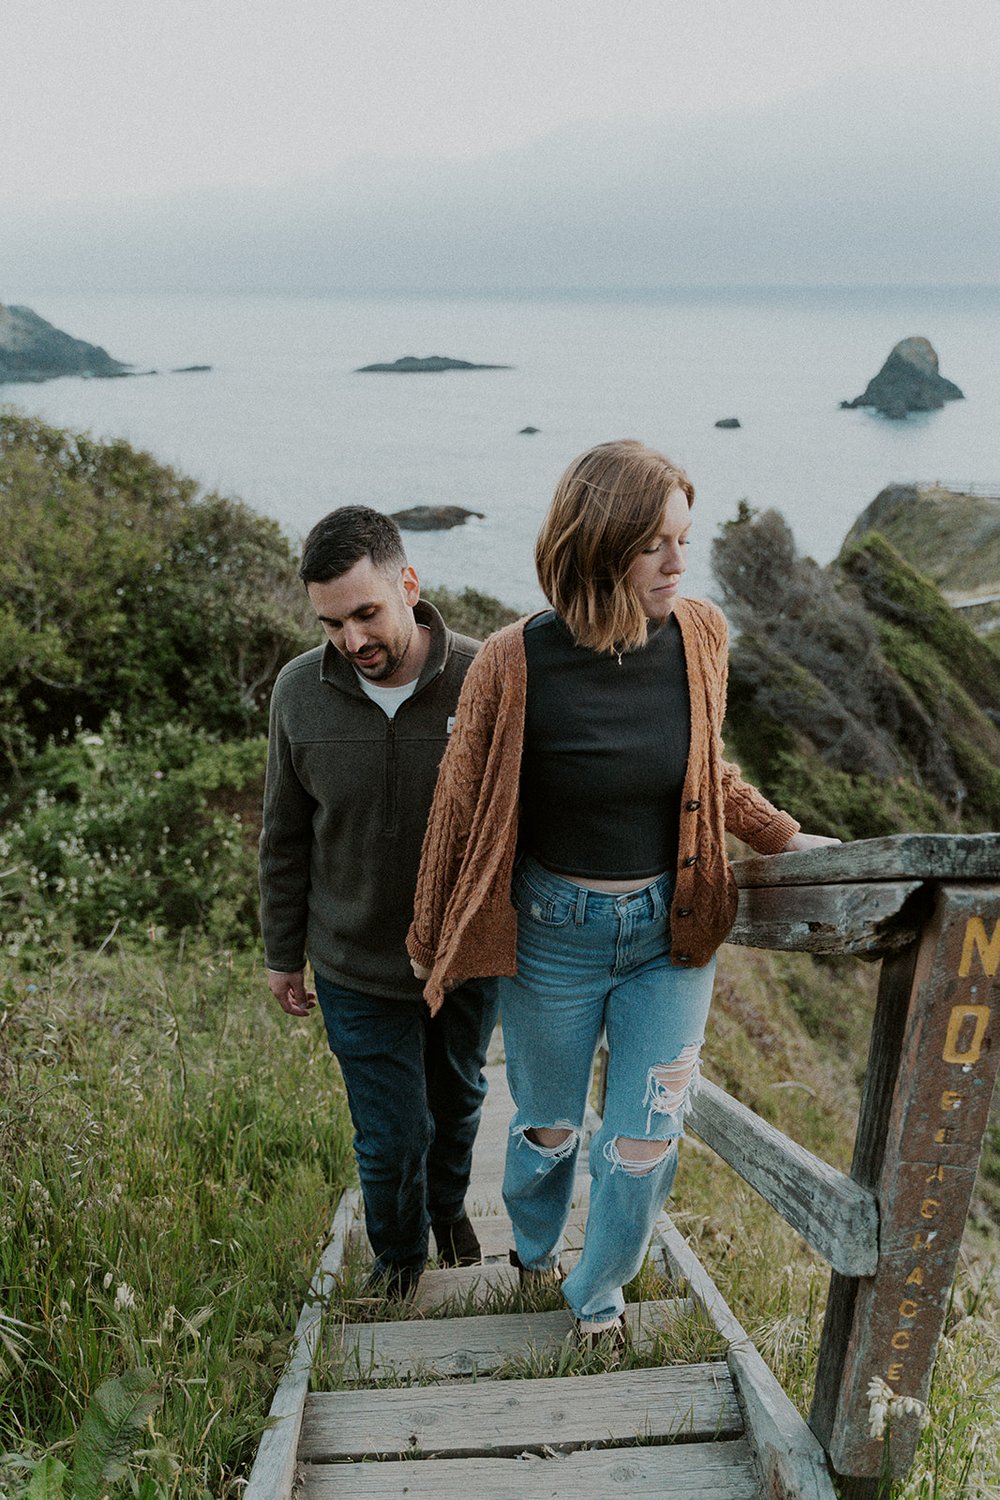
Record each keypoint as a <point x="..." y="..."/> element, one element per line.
<point x="346" y="801"/>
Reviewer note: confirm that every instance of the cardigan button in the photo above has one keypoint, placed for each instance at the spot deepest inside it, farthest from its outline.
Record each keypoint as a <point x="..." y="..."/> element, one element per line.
<point x="684" y="911"/>
<point x="682" y="958"/>
<point x="692" y="806"/>
<point x="692" y="859"/>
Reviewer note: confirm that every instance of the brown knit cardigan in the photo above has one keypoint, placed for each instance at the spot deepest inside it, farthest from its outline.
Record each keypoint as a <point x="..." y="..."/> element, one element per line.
<point x="464" y="925"/>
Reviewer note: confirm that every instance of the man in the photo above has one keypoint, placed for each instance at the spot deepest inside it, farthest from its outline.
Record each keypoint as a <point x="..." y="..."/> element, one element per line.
<point x="358" y="729"/>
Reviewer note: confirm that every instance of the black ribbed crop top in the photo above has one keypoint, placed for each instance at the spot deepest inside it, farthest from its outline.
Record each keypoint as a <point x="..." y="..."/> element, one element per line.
<point x="605" y="752"/>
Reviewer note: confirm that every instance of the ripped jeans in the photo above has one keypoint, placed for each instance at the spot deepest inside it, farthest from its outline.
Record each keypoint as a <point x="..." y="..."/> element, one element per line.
<point x="589" y="962"/>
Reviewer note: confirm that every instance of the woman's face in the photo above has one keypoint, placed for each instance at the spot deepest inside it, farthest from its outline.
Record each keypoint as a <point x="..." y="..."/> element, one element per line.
<point x="656" y="573"/>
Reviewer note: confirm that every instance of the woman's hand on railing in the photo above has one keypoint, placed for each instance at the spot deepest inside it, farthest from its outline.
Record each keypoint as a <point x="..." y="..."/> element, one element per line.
<point x="806" y="841"/>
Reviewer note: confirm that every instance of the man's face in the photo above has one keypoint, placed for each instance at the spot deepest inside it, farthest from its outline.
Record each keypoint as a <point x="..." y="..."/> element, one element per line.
<point x="367" y="613"/>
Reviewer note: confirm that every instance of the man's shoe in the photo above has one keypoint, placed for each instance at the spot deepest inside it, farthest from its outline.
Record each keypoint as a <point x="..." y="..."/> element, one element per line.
<point x="395" y="1283"/>
<point x="544" y="1276"/>
<point x="457" y="1244"/>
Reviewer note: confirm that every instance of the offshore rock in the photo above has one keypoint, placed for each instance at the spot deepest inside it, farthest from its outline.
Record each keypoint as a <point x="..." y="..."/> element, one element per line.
<point x="433" y="517"/>
<point x="908" y="381"/>
<point x="527" y="431"/>
<point x="728" y="422"/>
<point x="32" y="350"/>
<point x="431" y="364"/>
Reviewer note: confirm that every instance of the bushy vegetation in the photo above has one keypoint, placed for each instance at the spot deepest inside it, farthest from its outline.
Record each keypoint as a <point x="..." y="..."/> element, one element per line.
<point x="120" y="835"/>
<point x="123" y="589"/>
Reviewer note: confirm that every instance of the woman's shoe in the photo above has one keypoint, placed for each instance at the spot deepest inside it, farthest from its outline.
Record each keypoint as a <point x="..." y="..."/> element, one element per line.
<point x="528" y="1276"/>
<point x="610" y="1339"/>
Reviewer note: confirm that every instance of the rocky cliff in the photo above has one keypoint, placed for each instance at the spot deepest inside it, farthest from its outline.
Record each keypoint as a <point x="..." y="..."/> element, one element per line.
<point x="32" y="349"/>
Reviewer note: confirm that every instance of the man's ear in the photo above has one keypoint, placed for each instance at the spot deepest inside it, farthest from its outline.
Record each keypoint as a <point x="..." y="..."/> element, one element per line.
<point x="411" y="585"/>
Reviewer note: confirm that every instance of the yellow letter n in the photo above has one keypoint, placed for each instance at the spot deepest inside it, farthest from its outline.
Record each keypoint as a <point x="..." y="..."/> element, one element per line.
<point x="976" y="941"/>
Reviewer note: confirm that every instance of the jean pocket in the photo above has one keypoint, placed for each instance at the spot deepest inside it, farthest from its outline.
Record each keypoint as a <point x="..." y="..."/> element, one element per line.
<point x="540" y="906"/>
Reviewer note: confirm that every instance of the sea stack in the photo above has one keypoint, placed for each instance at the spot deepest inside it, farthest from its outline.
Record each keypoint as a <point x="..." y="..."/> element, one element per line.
<point x="908" y="381"/>
<point x="433" y="517"/>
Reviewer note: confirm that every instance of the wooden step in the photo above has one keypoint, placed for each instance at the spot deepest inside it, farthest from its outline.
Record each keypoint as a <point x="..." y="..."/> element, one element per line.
<point x="477" y="1345"/>
<point x="495" y="1234"/>
<point x="686" y="1471"/>
<point x="504" y="1417"/>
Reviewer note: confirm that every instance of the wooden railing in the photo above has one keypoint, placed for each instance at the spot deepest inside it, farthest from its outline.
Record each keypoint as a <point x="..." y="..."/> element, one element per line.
<point x="928" y="906"/>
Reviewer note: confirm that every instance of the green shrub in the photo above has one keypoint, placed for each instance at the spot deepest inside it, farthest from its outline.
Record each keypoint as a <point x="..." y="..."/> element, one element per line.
<point x="122" y="833"/>
<point x="123" y="590"/>
<point x="470" y="612"/>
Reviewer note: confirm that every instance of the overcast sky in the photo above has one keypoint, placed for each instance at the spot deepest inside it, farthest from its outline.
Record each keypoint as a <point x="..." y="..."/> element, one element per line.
<point x="320" y="143"/>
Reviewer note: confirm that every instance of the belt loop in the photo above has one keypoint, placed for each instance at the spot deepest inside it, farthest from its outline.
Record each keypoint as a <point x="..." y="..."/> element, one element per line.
<point x="581" y="906"/>
<point x="656" y="896"/>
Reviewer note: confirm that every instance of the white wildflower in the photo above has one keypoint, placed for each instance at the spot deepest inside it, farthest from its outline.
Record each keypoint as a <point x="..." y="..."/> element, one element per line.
<point x="109" y="1277"/>
<point x="879" y="1395"/>
<point x="884" y="1404"/>
<point x="124" y="1297"/>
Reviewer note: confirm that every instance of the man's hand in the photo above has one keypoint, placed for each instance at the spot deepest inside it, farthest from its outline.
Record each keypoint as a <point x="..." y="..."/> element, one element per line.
<point x="807" y="841"/>
<point x="419" y="972"/>
<point x="290" y="991"/>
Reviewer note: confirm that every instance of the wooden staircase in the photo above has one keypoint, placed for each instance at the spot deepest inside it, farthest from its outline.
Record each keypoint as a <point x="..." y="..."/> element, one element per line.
<point x="420" y="1413"/>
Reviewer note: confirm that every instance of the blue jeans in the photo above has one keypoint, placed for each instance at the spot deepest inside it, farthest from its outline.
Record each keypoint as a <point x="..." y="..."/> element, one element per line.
<point x="589" y="962"/>
<point x="415" y="1089"/>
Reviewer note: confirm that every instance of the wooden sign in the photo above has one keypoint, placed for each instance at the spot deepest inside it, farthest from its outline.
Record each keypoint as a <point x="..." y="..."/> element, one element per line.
<point x="932" y="1115"/>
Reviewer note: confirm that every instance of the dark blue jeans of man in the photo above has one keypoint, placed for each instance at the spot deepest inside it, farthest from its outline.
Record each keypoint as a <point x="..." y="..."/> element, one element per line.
<point x="415" y="1089"/>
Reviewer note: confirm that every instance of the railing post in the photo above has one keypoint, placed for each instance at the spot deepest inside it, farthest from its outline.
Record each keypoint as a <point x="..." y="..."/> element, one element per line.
<point x="932" y="1066"/>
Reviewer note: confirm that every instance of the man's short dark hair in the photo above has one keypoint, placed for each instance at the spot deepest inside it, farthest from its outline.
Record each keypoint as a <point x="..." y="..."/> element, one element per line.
<point x="344" y="537"/>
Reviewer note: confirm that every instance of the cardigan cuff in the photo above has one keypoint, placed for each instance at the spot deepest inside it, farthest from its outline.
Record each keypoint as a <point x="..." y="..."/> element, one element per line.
<point x="774" y="835"/>
<point x="419" y="952"/>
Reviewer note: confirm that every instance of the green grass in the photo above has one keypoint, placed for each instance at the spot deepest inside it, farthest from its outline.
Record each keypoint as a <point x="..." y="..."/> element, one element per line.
<point x="171" y="1150"/>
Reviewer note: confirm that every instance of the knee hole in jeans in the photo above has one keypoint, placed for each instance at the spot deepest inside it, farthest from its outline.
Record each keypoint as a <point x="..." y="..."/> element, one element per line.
<point x="638" y="1158"/>
<point x="554" y="1142"/>
<point x="669" y="1085"/>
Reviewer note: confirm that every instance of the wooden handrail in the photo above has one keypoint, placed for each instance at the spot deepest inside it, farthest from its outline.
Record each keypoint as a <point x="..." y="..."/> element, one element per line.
<point x="831" y="1211"/>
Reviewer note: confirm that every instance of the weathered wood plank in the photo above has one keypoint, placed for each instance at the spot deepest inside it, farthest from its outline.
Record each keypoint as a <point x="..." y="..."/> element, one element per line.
<point x="273" y="1472"/>
<point x="688" y="1471"/>
<point x="903" y="856"/>
<point x="834" y="1214"/>
<point x="935" y="1057"/>
<point x="485" y="1198"/>
<point x="437" y="1289"/>
<point x="496" y="1236"/>
<point x="869" y="918"/>
<point x="789" y="1459"/>
<point x="495" y="1417"/>
<point x="476" y="1345"/>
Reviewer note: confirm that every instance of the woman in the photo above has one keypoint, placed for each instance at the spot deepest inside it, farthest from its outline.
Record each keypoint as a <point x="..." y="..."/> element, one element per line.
<point x="587" y="748"/>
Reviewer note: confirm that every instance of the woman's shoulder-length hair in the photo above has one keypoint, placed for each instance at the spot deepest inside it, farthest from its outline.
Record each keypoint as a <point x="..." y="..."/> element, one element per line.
<point x="607" y="506"/>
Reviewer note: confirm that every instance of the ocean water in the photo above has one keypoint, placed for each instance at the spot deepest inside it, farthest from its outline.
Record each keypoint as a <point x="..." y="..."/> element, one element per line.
<point x="283" y="421"/>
